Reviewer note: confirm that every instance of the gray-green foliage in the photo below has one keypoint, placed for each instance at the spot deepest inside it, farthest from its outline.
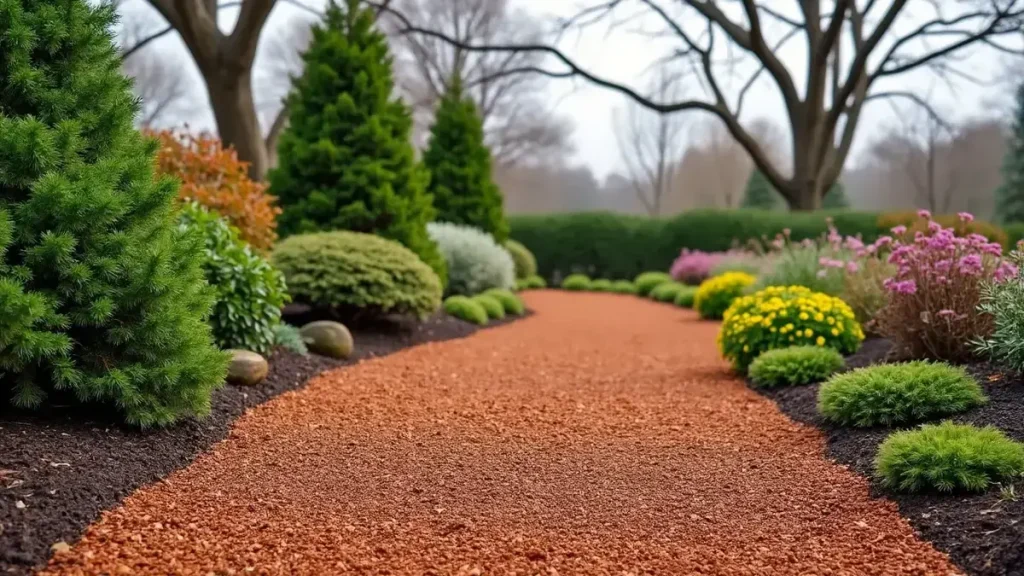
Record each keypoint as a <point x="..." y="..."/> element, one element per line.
<point x="1004" y="302"/>
<point x="352" y="273"/>
<point x="795" y="365"/>
<point x="288" y="337"/>
<point x="466" y="308"/>
<point x="895" y="394"/>
<point x="799" y="265"/>
<point x="948" y="457"/>
<point x="475" y="261"/>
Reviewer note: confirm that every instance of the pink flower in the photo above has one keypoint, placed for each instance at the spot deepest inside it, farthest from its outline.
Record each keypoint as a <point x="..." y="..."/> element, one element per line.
<point x="899" y="230"/>
<point x="901" y="286"/>
<point x="945" y="312"/>
<point x="970" y="265"/>
<point x="965" y="216"/>
<point x="934" y="226"/>
<point x="852" y="267"/>
<point x="1004" y="272"/>
<point x="924" y="214"/>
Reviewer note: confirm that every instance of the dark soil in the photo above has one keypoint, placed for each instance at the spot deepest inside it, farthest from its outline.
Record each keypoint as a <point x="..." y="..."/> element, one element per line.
<point x="983" y="534"/>
<point x="60" y="468"/>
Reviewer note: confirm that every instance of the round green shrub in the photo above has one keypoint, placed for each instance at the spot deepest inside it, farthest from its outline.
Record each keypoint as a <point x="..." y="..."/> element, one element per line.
<point x="686" y="296"/>
<point x="512" y="304"/>
<point x="623" y="287"/>
<point x="576" y="282"/>
<point x="795" y="365"/>
<point x="350" y="273"/>
<point x="666" y="292"/>
<point x="646" y="281"/>
<point x="779" y="317"/>
<point x="288" y="337"/>
<point x="466" y="309"/>
<point x="894" y="394"/>
<point x="948" y="457"/>
<point x="531" y="283"/>
<point x="249" y="291"/>
<point x="491" y="305"/>
<point x="474" y="260"/>
<point x="525" y="263"/>
<point x="102" y="294"/>
<point x="601" y="285"/>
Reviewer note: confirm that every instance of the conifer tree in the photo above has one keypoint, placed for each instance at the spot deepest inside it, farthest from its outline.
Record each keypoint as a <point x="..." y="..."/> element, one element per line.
<point x="460" y="167"/>
<point x="760" y="193"/>
<point x="835" y="197"/>
<point x="102" y="298"/>
<point x="1010" y="194"/>
<point x="345" y="162"/>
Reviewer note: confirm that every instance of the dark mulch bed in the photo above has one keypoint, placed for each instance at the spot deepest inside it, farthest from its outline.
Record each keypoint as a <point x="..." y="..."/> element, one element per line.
<point x="983" y="534"/>
<point x="59" y="469"/>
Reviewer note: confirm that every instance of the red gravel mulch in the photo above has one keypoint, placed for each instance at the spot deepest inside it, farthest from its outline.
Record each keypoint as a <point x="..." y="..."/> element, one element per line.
<point x="601" y="436"/>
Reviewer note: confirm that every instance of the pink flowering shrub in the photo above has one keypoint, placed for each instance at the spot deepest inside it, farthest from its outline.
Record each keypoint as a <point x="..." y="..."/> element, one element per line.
<point x="694" y="266"/>
<point x="933" y="296"/>
<point x="861" y="269"/>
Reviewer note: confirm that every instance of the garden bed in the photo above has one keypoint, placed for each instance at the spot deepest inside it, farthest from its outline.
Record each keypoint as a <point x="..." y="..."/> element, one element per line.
<point x="59" y="469"/>
<point x="982" y="533"/>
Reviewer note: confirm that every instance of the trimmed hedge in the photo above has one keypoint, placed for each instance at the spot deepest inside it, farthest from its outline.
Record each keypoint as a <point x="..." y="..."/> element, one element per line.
<point x="609" y="245"/>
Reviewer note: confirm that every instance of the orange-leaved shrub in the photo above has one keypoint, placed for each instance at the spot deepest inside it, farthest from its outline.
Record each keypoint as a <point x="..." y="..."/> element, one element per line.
<point x="213" y="176"/>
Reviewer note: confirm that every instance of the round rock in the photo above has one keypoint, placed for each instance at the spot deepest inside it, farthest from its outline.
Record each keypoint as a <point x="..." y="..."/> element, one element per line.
<point x="247" y="368"/>
<point x="328" y="338"/>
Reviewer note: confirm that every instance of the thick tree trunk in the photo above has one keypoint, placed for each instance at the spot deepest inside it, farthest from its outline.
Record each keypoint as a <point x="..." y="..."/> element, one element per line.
<point x="807" y="198"/>
<point x="235" y="112"/>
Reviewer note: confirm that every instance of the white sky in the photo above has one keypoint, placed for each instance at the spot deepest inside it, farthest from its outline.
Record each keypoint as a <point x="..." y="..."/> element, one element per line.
<point x="624" y="55"/>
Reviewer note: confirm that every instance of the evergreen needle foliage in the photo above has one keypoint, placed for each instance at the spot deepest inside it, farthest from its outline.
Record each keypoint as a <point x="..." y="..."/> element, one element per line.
<point x="762" y="195"/>
<point x="1010" y="195"/>
<point x="460" y="168"/>
<point x="102" y="295"/>
<point x="345" y="161"/>
<point x="795" y="365"/>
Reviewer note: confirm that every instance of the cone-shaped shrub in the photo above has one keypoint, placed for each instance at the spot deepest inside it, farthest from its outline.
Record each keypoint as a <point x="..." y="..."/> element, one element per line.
<point x="460" y="167"/>
<point x="345" y="161"/>
<point x="102" y="298"/>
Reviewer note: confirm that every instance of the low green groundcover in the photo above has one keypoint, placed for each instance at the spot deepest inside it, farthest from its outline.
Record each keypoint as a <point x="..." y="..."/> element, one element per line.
<point x="467" y="309"/>
<point x="795" y="365"/>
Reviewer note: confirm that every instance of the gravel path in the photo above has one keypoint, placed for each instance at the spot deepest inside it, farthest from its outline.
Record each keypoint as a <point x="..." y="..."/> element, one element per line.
<point x="601" y="436"/>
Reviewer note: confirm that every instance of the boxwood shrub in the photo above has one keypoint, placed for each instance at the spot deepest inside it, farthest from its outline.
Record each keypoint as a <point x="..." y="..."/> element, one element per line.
<point x="794" y="366"/>
<point x="623" y="287"/>
<point x="686" y="296"/>
<point x="667" y="292"/>
<point x="601" y="285"/>
<point x="576" y="282"/>
<point x="494" y="308"/>
<point x="525" y="263"/>
<point x="948" y="457"/>
<point x="466" y="309"/>
<point x="350" y="273"/>
<point x="895" y="394"/>
<point x="512" y="304"/>
<point x="647" y="281"/>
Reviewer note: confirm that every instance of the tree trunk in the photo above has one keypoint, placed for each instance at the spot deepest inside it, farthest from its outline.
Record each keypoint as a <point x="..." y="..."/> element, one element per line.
<point x="808" y="198"/>
<point x="235" y="112"/>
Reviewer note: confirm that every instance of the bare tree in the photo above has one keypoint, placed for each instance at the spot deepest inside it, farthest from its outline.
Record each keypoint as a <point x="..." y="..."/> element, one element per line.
<point x="517" y="122"/>
<point x="926" y="150"/>
<point x="159" y="82"/>
<point x="651" y="146"/>
<point x="850" y="48"/>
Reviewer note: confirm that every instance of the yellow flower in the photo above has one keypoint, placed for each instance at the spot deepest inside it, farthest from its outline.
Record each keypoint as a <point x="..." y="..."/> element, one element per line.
<point x="819" y="317"/>
<point x="820" y="341"/>
<point x="803" y="316"/>
<point x="808" y="332"/>
<point x="835" y="332"/>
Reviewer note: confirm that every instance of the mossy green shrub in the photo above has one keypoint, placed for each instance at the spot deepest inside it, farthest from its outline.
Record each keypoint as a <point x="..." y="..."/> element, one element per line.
<point x="948" y="457"/>
<point x="647" y="281"/>
<point x="686" y="296"/>
<point x="667" y="292"/>
<point x="895" y="394"/>
<point x="716" y="294"/>
<point x="349" y="273"/>
<point x="102" y="296"/>
<point x="779" y="317"/>
<point x="795" y="365"/>
<point x="475" y="262"/>
<point x="249" y="291"/>
<point x="512" y="304"/>
<point x="288" y="337"/>
<point x="466" y="309"/>
<point x="495" y="310"/>
<point x="525" y="263"/>
<point x="601" y="285"/>
<point x="576" y="282"/>
<point x="623" y="287"/>
<point x="531" y="283"/>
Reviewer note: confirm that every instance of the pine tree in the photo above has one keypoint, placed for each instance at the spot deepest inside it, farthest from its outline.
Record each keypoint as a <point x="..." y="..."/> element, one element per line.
<point x="460" y="167"/>
<point x="761" y="194"/>
<point x="102" y="298"/>
<point x="835" y="198"/>
<point x="345" y="162"/>
<point x="1010" y="194"/>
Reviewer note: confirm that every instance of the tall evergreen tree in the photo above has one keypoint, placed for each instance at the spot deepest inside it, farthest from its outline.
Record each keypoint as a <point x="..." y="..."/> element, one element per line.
<point x="346" y="162"/>
<point x="760" y="193"/>
<point x="1010" y="194"/>
<point x="102" y="298"/>
<point x="460" y="167"/>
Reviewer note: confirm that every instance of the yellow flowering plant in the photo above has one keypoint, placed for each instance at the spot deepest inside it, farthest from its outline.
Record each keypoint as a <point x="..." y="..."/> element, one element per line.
<point x="782" y="316"/>
<point x="716" y="294"/>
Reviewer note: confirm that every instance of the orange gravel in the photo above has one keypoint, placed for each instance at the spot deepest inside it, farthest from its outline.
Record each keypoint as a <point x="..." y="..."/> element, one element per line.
<point x="601" y="436"/>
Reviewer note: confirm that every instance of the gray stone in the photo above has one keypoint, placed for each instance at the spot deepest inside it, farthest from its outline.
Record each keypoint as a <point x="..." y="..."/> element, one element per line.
<point x="328" y="338"/>
<point x="247" y="368"/>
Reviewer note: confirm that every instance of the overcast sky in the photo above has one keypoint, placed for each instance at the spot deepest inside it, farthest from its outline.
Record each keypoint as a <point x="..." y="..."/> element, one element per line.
<point x="624" y="54"/>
